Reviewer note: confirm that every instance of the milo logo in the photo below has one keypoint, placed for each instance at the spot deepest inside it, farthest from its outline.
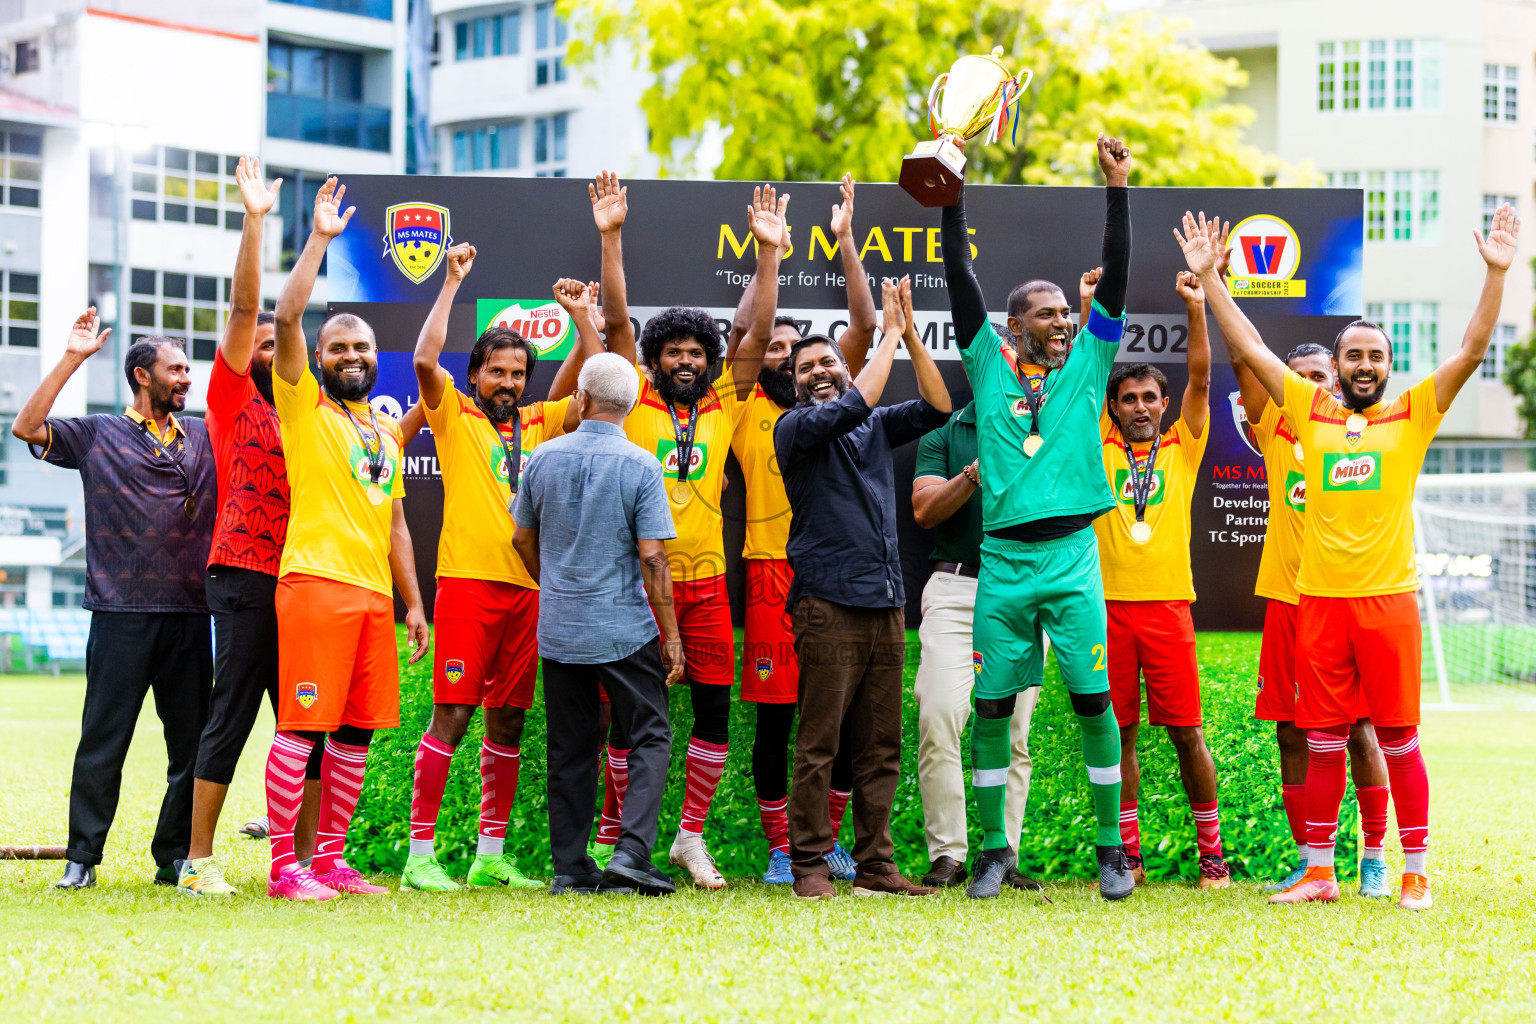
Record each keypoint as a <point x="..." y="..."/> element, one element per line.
<point x="1296" y="491"/>
<point x="543" y="323"/>
<point x="360" y="467"/>
<point x="498" y="460"/>
<point x="1125" y="487"/>
<point x="666" y="453"/>
<point x="1345" y="472"/>
<point x="1020" y="407"/>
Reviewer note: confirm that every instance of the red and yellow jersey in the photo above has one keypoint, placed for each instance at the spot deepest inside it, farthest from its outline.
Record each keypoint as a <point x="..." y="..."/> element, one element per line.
<point x="1359" y="536"/>
<point x="334" y="530"/>
<point x="698" y="552"/>
<point x="1281" y="558"/>
<point x="767" y="504"/>
<point x="476" y="542"/>
<point x="1158" y="570"/>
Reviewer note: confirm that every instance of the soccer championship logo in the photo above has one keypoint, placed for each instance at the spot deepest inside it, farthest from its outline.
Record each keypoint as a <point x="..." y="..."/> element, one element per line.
<point x="306" y="695"/>
<point x="1266" y="256"/>
<point x="453" y="670"/>
<point x="764" y="668"/>
<point x="416" y="235"/>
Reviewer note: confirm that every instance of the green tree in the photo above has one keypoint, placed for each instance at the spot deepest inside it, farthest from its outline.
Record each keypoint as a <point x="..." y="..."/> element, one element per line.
<point x="808" y="89"/>
<point x="1520" y="375"/>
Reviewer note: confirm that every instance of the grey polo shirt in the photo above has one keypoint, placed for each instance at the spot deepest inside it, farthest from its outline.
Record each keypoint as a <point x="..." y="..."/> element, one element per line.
<point x="593" y="495"/>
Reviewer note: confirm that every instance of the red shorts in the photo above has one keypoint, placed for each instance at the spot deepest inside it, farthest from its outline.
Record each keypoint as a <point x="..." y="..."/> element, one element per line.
<point x="1154" y="640"/>
<point x="1276" y="701"/>
<point x="1362" y="657"/>
<point x="486" y="644"/>
<point x="336" y="658"/>
<point x="704" y="624"/>
<point x="770" y="672"/>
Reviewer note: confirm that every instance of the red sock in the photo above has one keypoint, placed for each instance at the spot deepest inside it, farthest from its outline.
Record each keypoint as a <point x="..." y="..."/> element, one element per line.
<point x="1130" y="828"/>
<point x="705" y="765"/>
<point x="1325" y="791"/>
<point x="775" y="818"/>
<point x="1207" y="828"/>
<point x="837" y="803"/>
<point x="1373" y="817"/>
<point x="615" y="781"/>
<point x="341" y="783"/>
<point x="498" y="791"/>
<point x="1295" y="799"/>
<point x="285" y="791"/>
<point x="433" y="757"/>
<point x="1410" y="791"/>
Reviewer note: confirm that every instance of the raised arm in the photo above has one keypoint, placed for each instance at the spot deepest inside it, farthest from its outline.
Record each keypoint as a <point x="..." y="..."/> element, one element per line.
<point x="1498" y="251"/>
<point x="610" y="205"/>
<point x="856" y="337"/>
<point x="430" y="375"/>
<point x="576" y="299"/>
<point x="1201" y="244"/>
<point x="1085" y="287"/>
<point x="239" y="339"/>
<point x="967" y="306"/>
<point x="770" y="229"/>
<point x="291" y="360"/>
<point x="871" y="380"/>
<point x="85" y="340"/>
<point x="402" y="566"/>
<point x="930" y="383"/>
<point x="1196" y="409"/>
<point x="1115" y="162"/>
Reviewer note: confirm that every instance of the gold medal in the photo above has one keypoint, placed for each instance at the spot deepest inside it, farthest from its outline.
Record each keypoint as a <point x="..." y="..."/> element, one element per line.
<point x="1301" y="455"/>
<point x="1033" y="444"/>
<point x="189" y="507"/>
<point x="376" y="494"/>
<point x="681" y="492"/>
<point x="1141" y="531"/>
<point x="1355" y="424"/>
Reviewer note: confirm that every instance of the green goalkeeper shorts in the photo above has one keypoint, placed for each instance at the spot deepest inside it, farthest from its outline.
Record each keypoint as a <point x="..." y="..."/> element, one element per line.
<point x="1025" y="589"/>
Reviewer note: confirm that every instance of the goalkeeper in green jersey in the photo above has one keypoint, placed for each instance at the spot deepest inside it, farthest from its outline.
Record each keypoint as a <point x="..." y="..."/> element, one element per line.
<point x="1039" y="393"/>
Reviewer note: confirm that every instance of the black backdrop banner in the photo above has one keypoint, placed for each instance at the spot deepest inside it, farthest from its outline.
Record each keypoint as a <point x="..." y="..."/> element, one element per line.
<point x="1296" y="271"/>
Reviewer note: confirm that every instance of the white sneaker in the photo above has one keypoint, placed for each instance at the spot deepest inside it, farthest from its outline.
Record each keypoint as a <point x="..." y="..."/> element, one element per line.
<point x="688" y="853"/>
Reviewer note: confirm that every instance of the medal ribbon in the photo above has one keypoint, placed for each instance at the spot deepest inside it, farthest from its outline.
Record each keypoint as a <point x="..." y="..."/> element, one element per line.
<point x="1141" y="486"/>
<point x="684" y="439"/>
<point x="375" y="455"/>
<point x="155" y="446"/>
<point x="1030" y="395"/>
<point x="514" y="466"/>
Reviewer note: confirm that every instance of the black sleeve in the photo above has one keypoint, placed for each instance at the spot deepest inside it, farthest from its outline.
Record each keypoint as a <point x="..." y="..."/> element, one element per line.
<point x="909" y="421"/>
<point x="1117" y="252"/>
<point x="967" y="306"/>
<point x="69" y="441"/>
<point x="806" y="429"/>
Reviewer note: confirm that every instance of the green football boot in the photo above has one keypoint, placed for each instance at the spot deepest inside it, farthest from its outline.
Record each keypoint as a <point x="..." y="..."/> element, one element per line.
<point x="425" y="874"/>
<point x="498" y="869"/>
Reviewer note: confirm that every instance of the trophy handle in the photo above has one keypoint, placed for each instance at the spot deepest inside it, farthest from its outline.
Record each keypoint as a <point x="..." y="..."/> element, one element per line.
<point x="1013" y="95"/>
<point x="934" y="94"/>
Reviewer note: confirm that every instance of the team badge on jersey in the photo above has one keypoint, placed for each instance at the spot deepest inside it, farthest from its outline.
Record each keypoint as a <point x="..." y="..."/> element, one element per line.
<point x="453" y="670"/>
<point x="416" y="235"/>
<point x="764" y="668"/>
<point x="306" y="695"/>
<point x="976" y="661"/>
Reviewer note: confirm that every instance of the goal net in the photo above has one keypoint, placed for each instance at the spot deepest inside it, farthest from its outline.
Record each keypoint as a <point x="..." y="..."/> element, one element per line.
<point x="1475" y="537"/>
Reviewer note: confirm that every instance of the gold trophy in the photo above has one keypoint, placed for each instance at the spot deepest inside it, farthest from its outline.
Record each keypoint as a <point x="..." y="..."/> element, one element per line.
<point x="978" y="94"/>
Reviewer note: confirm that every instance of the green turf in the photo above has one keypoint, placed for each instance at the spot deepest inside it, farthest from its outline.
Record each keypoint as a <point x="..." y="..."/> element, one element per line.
<point x="131" y="951"/>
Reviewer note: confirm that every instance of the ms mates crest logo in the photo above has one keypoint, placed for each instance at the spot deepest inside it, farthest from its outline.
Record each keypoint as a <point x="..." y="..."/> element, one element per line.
<point x="416" y="235"/>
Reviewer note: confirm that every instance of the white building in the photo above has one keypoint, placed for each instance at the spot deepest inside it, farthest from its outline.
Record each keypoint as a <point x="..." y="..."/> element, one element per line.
<point x="1418" y="103"/>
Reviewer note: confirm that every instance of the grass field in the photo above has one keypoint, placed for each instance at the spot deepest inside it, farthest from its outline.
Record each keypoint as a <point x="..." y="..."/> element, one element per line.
<point x="131" y="951"/>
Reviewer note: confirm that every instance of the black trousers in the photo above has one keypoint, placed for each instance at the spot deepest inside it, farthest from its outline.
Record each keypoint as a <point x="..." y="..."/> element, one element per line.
<point x="127" y="655"/>
<point x="637" y="691"/>
<point x="244" y="665"/>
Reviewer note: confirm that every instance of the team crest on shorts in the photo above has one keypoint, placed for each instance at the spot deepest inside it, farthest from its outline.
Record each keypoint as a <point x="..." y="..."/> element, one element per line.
<point x="976" y="661"/>
<point x="1261" y="684"/>
<point x="306" y="695"/>
<point x="453" y="670"/>
<point x="764" y="668"/>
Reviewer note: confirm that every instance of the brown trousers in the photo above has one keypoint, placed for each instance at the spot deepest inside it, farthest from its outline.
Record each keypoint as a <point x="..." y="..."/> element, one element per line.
<point x="850" y="665"/>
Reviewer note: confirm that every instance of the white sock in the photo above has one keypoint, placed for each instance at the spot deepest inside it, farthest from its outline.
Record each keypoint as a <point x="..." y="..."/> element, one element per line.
<point x="305" y="863"/>
<point x="488" y="847"/>
<point x="1413" y="864"/>
<point x="1320" y="857"/>
<point x="1370" y="854"/>
<point x="1301" y="854"/>
<point x="423" y="848"/>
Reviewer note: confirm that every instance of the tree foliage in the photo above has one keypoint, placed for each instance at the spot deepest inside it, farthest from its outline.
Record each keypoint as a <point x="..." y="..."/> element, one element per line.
<point x="808" y="89"/>
<point x="1520" y="375"/>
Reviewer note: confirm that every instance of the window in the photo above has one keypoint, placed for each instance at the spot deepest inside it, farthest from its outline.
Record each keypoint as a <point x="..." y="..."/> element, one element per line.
<point x="1434" y="461"/>
<point x="1511" y="94"/>
<point x="548" y="45"/>
<point x="487" y="147"/>
<point x="1429" y="51"/>
<point x="28" y="56"/>
<point x="492" y="35"/>
<point x="1491" y="204"/>
<point x="1398" y="74"/>
<point x="182" y="306"/>
<point x="1349" y="77"/>
<point x="1376" y="75"/>
<point x="1478" y="459"/>
<point x="1490" y="92"/>
<point x="1402" y="74"/>
<point x="185" y="186"/>
<point x="1414" y="328"/>
<point x="18" y="309"/>
<point x="1402" y="207"/>
<point x="315" y="71"/>
<point x="21" y="168"/>
<point x="1325" y="69"/>
<point x="1376" y="206"/>
<point x="68" y="588"/>
<point x="13" y="586"/>
<point x="315" y="94"/>
<point x="549" y="146"/>
<point x="1498" y="346"/>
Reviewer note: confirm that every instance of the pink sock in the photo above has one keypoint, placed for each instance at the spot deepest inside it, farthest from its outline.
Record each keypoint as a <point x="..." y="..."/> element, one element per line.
<point x="433" y="758"/>
<point x="705" y="765"/>
<point x="285" y="791"/>
<point x="837" y="803"/>
<point x="1207" y="828"/>
<point x="615" y="781"/>
<point x="341" y="783"/>
<point x="498" y="791"/>
<point x="775" y="818"/>
<point x="1130" y="828"/>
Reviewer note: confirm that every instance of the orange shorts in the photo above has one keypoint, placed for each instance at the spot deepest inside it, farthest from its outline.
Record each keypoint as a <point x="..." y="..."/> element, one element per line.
<point x="486" y="643"/>
<point x="770" y="672"/>
<point x="1276" y="701"/>
<point x="336" y="658"/>
<point x="704" y="624"/>
<point x="1359" y="656"/>
<point x="1155" y="641"/>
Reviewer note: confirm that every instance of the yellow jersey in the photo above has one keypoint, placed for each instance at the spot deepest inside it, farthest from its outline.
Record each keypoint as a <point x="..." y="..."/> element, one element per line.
<point x="698" y="552"/>
<point x="1359" y="536"/>
<point x="767" y="504"/>
<point x="334" y="530"/>
<point x="1281" y="558"/>
<point x="1158" y="570"/>
<point x="476" y="542"/>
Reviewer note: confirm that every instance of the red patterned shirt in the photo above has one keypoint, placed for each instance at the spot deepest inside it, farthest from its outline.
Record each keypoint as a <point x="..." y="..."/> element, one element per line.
<point x="253" y="478"/>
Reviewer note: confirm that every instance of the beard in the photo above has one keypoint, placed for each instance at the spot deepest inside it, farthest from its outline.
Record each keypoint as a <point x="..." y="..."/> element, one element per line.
<point x="1033" y="349"/>
<point x="778" y="384"/>
<point x="839" y="385"/>
<point x="675" y="394"/>
<point x="1361" y="401"/>
<point x="165" y="398"/>
<point x="1139" y="433"/>
<point x="347" y="389"/>
<point x="500" y="406"/>
<point x="261" y="376"/>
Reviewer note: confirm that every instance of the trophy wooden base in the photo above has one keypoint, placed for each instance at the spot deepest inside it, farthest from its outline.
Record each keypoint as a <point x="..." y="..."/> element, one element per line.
<point x="933" y="172"/>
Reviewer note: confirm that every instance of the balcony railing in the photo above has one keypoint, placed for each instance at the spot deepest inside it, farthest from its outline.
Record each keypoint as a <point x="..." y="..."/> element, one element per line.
<point x="364" y="8"/>
<point x="332" y="122"/>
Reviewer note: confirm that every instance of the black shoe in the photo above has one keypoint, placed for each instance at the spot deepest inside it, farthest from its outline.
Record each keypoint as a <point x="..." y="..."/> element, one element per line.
<point x="642" y="876"/>
<point x="1116" y="881"/>
<point x="945" y="871"/>
<point x="169" y="874"/>
<point x="575" y="885"/>
<point x="77" y="876"/>
<point x="1019" y="880"/>
<point x="992" y="867"/>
